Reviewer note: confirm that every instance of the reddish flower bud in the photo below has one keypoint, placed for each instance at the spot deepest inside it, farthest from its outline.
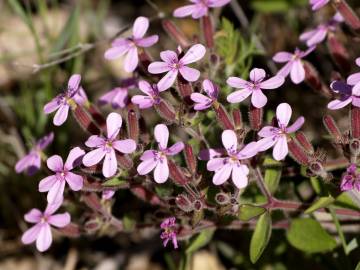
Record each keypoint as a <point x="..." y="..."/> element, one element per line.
<point x="208" y="31"/>
<point x="223" y="116"/>
<point x="198" y="205"/>
<point x="145" y="60"/>
<point x="332" y="128"/>
<point x="255" y="117"/>
<point x="85" y="121"/>
<point x="297" y="153"/>
<point x="93" y="225"/>
<point x="97" y="116"/>
<point x="176" y="174"/>
<point x="237" y="119"/>
<point x="133" y="125"/>
<point x="184" y="203"/>
<point x="348" y="14"/>
<point x="304" y="142"/>
<point x="92" y="201"/>
<point x="165" y="110"/>
<point x="338" y="52"/>
<point x="355" y="122"/>
<point x="313" y="79"/>
<point x="124" y="161"/>
<point x="72" y="230"/>
<point x="190" y="159"/>
<point x="146" y="195"/>
<point x="173" y="31"/>
<point x="185" y="89"/>
<point x="222" y="198"/>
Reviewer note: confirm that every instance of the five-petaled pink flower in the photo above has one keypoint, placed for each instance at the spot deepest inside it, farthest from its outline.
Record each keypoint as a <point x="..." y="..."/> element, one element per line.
<point x="294" y="64"/>
<point x="55" y="184"/>
<point x="317" y="4"/>
<point x="253" y="87"/>
<point x="62" y="103"/>
<point x="152" y="95"/>
<point x="157" y="160"/>
<point x="199" y="8"/>
<point x="351" y="179"/>
<point x="41" y="231"/>
<point x="173" y="65"/>
<point x="106" y="146"/>
<point x="31" y="163"/>
<point x="129" y="46"/>
<point x="278" y="136"/>
<point x="169" y="233"/>
<point x="203" y="102"/>
<point x="231" y="165"/>
<point x="318" y="35"/>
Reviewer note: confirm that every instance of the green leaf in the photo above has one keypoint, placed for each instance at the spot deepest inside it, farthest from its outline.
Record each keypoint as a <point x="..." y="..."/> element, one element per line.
<point x="128" y="222"/>
<point x="272" y="174"/>
<point x="353" y="244"/>
<point x="201" y="240"/>
<point x="320" y="203"/>
<point x="260" y="237"/>
<point x="114" y="182"/>
<point x="266" y="6"/>
<point x="248" y="211"/>
<point x="307" y="235"/>
<point x="358" y="266"/>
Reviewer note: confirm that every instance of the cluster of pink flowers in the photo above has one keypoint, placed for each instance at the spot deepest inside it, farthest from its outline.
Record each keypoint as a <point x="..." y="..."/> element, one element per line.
<point x="231" y="161"/>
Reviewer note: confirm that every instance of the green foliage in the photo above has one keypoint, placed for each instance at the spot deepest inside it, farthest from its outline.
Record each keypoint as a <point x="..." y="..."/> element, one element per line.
<point x="320" y="203"/>
<point x="114" y="182"/>
<point x="272" y="174"/>
<point x="201" y="240"/>
<point x="276" y="6"/>
<point x="260" y="237"/>
<point x="248" y="211"/>
<point x="307" y="235"/>
<point x="129" y="222"/>
<point x="236" y="51"/>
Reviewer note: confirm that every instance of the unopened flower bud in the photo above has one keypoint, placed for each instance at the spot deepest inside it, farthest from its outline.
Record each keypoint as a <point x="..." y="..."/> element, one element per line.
<point x="184" y="203"/>
<point x="173" y="31"/>
<point x="85" y="121"/>
<point x="190" y="159"/>
<point x="312" y="78"/>
<point x="255" y="117"/>
<point x="348" y="14"/>
<point x="338" y="53"/>
<point x="332" y="128"/>
<point x="124" y="161"/>
<point x="198" y="205"/>
<point x="97" y="116"/>
<point x="176" y="174"/>
<point x="237" y="119"/>
<point x="355" y="122"/>
<point x="297" y="153"/>
<point x="165" y="110"/>
<point x="223" y="116"/>
<point x="304" y="142"/>
<point x="222" y="198"/>
<point x="133" y="125"/>
<point x="185" y="89"/>
<point x="208" y="31"/>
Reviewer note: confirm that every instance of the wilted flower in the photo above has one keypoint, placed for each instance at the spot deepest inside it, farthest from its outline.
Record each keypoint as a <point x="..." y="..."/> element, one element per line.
<point x="351" y="179"/>
<point x="317" y="4"/>
<point x="172" y="65"/>
<point x="129" y="46"/>
<point x="55" y="184"/>
<point x="152" y="95"/>
<point x="41" y="231"/>
<point x="348" y="94"/>
<point x="278" y="136"/>
<point x="157" y="160"/>
<point x="72" y="96"/>
<point x="106" y="146"/>
<point x="203" y="102"/>
<point x="169" y="233"/>
<point x="199" y="8"/>
<point x="253" y="87"/>
<point x="32" y="161"/>
<point x="318" y="35"/>
<point x="231" y="165"/>
<point x="294" y="65"/>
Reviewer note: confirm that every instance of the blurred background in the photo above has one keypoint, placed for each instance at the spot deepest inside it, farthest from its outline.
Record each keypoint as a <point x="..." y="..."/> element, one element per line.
<point x="43" y="42"/>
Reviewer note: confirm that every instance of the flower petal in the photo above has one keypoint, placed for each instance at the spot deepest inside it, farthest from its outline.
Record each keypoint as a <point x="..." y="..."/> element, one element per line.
<point x="281" y="148"/>
<point x="44" y="239"/>
<point x="113" y="124"/>
<point x="33" y="216"/>
<point x="229" y="140"/>
<point x="175" y="149"/>
<point x="265" y="143"/>
<point x="268" y="131"/>
<point x="283" y="114"/>
<point x="125" y="146"/>
<point x="74" y="82"/>
<point x="248" y="151"/>
<point x="145" y="87"/>
<point x="74" y="158"/>
<point x="56" y="192"/>
<point x="143" y="102"/>
<point x="60" y="220"/>
<point x="258" y="99"/>
<point x="210" y="88"/>
<point x="94" y="157"/>
<point x="338" y="104"/>
<point x="95" y="141"/>
<point x="169" y="57"/>
<point x="215" y="164"/>
<point x="282" y="57"/>
<point x="218" y="3"/>
<point x="273" y="82"/>
<point x="353" y="79"/>
<point x="257" y="74"/>
<point x="161" y="134"/>
<point x="285" y="70"/>
<point x="184" y="11"/>
<point x="222" y="174"/>
<point x="189" y="74"/>
<point x="31" y="234"/>
<point x="158" y="67"/>
<point x="296" y="125"/>
<point x="146" y="166"/>
<point x="61" y="115"/>
<point x="52" y="106"/>
<point x="168" y="80"/>
<point x="110" y="164"/>
<point x="148" y="41"/>
<point x="131" y="60"/>
<point x="55" y="163"/>
<point x="47" y="183"/>
<point x="239" y="95"/>
<point x="74" y="181"/>
<point x="239" y="175"/>
<point x="237" y="82"/>
<point x="140" y="27"/>
<point x="161" y="172"/>
<point x="297" y="73"/>
<point x="195" y="53"/>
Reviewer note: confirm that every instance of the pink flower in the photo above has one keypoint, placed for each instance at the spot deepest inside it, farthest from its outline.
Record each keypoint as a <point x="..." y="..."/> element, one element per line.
<point x="151" y="97"/>
<point x="317" y="4"/>
<point x="106" y="146"/>
<point x="253" y="87"/>
<point x="348" y="94"/>
<point x="117" y="97"/>
<point x="169" y="233"/>
<point x="203" y="102"/>
<point x="107" y="194"/>
<point x="354" y="79"/>
<point x="32" y="161"/>
<point x="231" y="165"/>
<point x="294" y="65"/>
<point x="72" y="96"/>
<point x="157" y="160"/>
<point x="199" y="8"/>
<point x="55" y="184"/>
<point x="129" y="46"/>
<point x="41" y="231"/>
<point x="351" y="179"/>
<point x="172" y="65"/>
<point x="278" y="136"/>
<point x="318" y="35"/>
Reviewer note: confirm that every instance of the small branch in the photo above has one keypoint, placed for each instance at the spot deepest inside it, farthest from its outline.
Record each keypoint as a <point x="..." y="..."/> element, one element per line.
<point x="261" y="184"/>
